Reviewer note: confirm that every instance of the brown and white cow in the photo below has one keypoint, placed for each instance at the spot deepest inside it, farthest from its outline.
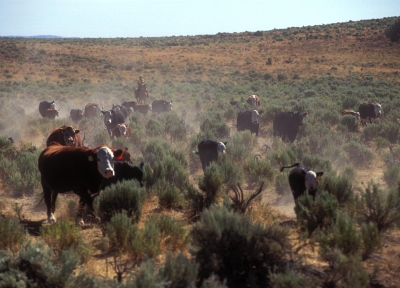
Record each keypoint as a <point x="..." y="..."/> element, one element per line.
<point x="254" y="100"/>
<point x="369" y="111"/>
<point x="65" y="136"/>
<point x="77" y="169"/>
<point x="44" y="105"/>
<point x="142" y="108"/>
<point x="122" y="130"/>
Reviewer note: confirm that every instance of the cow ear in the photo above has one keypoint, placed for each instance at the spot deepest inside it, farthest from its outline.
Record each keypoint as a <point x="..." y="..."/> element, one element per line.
<point x="225" y="143"/>
<point x="319" y="176"/>
<point x="90" y="155"/>
<point x="118" y="153"/>
<point x="76" y="131"/>
<point x="305" y="114"/>
<point x="102" y="112"/>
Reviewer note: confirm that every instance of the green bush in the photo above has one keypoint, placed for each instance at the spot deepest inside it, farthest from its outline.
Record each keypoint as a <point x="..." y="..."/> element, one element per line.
<point x="358" y="154"/>
<point x="282" y="187"/>
<point x="339" y="186"/>
<point x="175" y="127"/>
<point x="350" y="122"/>
<point x="154" y="128"/>
<point x="179" y="271"/>
<point x="169" y="196"/>
<point x="380" y="207"/>
<point x="211" y="183"/>
<point x="232" y="247"/>
<point x="371" y="239"/>
<point x="120" y="233"/>
<point x="319" y="213"/>
<point x="292" y="279"/>
<point x="392" y="175"/>
<point x="125" y="195"/>
<point x="241" y="145"/>
<point x="393" y="32"/>
<point x="259" y="169"/>
<point x="12" y="234"/>
<point x="65" y="235"/>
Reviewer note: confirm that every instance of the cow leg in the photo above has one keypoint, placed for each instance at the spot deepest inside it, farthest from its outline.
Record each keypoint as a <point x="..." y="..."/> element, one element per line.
<point x="85" y="199"/>
<point x="47" y="200"/>
<point x="50" y="212"/>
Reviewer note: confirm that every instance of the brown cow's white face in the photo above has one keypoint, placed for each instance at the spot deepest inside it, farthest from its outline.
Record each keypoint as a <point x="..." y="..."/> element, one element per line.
<point x="105" y="162"/>
<point x="122" y="129"/>
<point x="169" y="105"/>
<point x="53" y="106"/>
<point x="255" y="116"/>
<point x="69" y="135"/>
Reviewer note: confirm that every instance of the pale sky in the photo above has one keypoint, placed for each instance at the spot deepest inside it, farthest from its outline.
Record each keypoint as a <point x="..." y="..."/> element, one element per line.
<point x="155" y="18"/>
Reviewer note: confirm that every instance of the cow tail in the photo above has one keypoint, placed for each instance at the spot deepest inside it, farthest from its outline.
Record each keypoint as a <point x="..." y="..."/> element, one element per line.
<point x="196" y="152"/>
<point x="40" y="201"/>
<point x="141" y="166"/>
<point x="294" y="165"/>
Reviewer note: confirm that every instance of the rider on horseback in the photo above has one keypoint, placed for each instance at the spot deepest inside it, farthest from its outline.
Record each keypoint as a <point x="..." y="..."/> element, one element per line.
<point x="140" y="82"/>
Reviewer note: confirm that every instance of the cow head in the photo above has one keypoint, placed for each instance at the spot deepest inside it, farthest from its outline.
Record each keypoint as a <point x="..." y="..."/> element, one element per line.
<point x="69" y="135"/>
<point x="107" y="116"/>
<point x="312" y="179"/>
<point x="253" y="100"/>
<point x="297" y="118"/>
<point x="221" y="148"/>
<point x="169" y="106"/>
<point x="255" y="117"/>
<point x="80" y="112"/>
<point x="377" y="109"/>
<point x="122" y="129"/>
<point x="105" y="160"/>
<point x="52" y="105"/>
<point x="150" y="107"/>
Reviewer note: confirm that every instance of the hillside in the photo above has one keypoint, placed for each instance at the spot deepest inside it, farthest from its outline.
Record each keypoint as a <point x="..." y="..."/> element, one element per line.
<point x="320" y="70"/>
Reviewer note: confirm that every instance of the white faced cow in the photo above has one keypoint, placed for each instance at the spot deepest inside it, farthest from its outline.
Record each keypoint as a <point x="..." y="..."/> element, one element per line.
<point x="369" y="111"/>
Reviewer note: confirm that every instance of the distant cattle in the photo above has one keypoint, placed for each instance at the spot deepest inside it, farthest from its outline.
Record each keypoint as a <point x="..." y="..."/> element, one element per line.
<point x="142" y="108"/>
<point x="141" y="94"/>
<point x="76" y="115"/>
<point x="302" y="179"/>
<point x="65" y="136"/>
<point x="159" y="106"/>
<point x="248" y="120"/>
<point x="121" y="108"/>
<point x="77" y="169"/>
<point x="369" y="111"/>
<point x="122" y="130"/>
<point x="124" y="171"/>
<point x="351" y="112"/>
<point x="111" y="119"/>
<point x="44" y="105"/>
<point x="286" y="124"/>
<point x="254" y="100"/>
<point x="129" y="104"/>
<point x="92" y="110"/>
<point x="208" y="151"/>
<point x="52" y="113"/>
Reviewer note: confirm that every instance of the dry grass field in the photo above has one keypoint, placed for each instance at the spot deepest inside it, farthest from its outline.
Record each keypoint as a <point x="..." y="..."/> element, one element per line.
<point x="201" y="74"/>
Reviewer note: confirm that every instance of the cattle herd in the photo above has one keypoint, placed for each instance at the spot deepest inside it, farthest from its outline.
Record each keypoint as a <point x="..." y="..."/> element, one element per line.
<point x="67" y="165"/>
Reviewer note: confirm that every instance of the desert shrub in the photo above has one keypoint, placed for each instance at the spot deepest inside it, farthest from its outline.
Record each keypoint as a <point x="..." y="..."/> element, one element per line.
<point x="319" y="213"/>
<point x="120" y="232"/>
<point x="65" y="235"/>
<point x="211" y="183"/>
<point x="343" y="235"/>
<point x="380" y="207"/>
<point x="195" y="202"/>
<point x="100" y="138"/>
<point x="392" y="175"/>
<point x="173" y="172"/>
<point x="180" y="156"/>
<point x="231" y="171"/>
<point x="235" y="249"/>
<point x="154" y="128"/>
<point x="147" y="240"/>
<point x="147" y="277"/>
<point x="345" y="271"/>
<point x="393" y="32"/>
<point x="240" y="145"/>
<point x="38" y="266"/>
<point x="328" y="116"/>
<point x="371" y="239"/>
<point x="351" y="102"/>
<point x="12" y="234"/>
<point x="120" y="143"/>
<point x="171" y="230"/>
<point x="215" y="128"/>
<point x="385" y="130"/>
<point x="179" y="271"/>
<point x="290" y="278"/>
<point x="213" y="282"/>
<point x="21" y="174"/>
<point x="350" y="122"/>
<point x="125" y="195"/>
<point x="283" y="158"/>
<point x="282" y="187"/>
<point x="259" y="169"/>
<point x="155" y="150"/>
<point x="358" y="154"/>
<point x="338" y="185"/>
<point x="169" y="196"/>
<point x="175" y="127"/>
<point x="316" y="163"/>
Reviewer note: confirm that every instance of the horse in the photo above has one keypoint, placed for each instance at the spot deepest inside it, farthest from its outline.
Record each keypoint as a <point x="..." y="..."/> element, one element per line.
<point x="141" y="94"/>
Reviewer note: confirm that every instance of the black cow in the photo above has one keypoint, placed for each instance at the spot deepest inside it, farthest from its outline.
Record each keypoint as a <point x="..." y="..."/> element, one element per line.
<point x="369" y="111"/>
<point x="76" y="114"/>
<point x="77" y="169"/>
<point x="121" y="108"/>
<point x="248" y="120"/>
<point x="44" y="105"/>
<point x="286" y="124"/>
<point x="301" y="179"/>
<point x="208" y="151"/>
<point x="161" y="106"/>
<point x="111" y="119"/>
<point x="124" y="171"/>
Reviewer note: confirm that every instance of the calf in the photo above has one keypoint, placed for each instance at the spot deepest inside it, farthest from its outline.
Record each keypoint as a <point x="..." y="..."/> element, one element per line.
<point x="122" y="130"/>
<point x="124" y="171"/>
<point x="77" y="169"/>
<point x="254" y="100"/>
<point x="65" y="136"/>
<point x="76" y="114"/>
<point x="351" y="112"/>
<point x="301" y="179"/>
